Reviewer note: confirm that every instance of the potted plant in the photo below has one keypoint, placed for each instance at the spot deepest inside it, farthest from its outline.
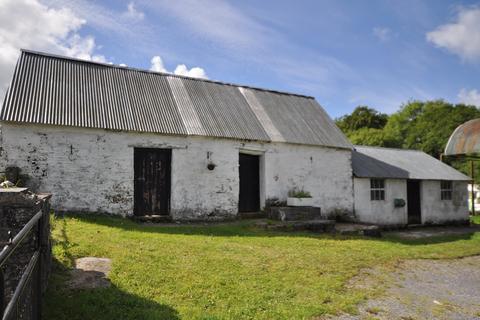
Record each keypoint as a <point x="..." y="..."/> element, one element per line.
<point x="299" y="198"/>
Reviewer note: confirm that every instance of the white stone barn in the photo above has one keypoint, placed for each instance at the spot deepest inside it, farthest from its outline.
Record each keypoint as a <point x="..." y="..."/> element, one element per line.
<point x="400" y="187"/>
<point x="124" y="141"/>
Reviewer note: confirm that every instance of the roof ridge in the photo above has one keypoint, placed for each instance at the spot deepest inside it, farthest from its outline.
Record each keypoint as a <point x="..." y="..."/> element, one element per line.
<point x="111" y="65"/>
<point x="388" y="148"/>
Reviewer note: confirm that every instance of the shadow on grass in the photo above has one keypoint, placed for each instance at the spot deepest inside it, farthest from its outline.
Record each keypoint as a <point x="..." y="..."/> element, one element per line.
<point x="247" y="228"/>
<point x="103" y="303"/>
<point x="63" y="241"/>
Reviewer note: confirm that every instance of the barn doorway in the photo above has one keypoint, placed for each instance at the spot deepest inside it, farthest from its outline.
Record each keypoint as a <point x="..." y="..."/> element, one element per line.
<point x="249" y="197"/>
<point x="152" y="171"/>
<point x="413" y="202"/>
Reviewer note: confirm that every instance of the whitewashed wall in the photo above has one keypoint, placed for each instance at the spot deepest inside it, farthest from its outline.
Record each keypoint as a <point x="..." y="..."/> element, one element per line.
<point x="91" y="170"/>
<point x="382" y="212"/>
<point x="435" y="210"/>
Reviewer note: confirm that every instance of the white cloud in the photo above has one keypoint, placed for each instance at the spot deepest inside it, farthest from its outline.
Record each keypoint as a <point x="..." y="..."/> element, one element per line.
<point x="470" y="97"/>
<point x="181" y="69"/>
<point x="217" y="21"/>
<point x="32" y="25"/>
<point x="194" y="72"/>
<point x="157" y="64"/>
<point x="461" y="37"/>
<point x="133" y="13"/>
<point x="82" y="48"/>
<point x="382" y="33"/>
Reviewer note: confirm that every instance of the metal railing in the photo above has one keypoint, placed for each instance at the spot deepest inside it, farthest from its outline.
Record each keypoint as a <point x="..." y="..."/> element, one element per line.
<point x="26" y="300"/>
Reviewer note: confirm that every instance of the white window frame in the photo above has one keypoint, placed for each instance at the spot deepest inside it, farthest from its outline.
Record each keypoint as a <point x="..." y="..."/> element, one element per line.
<point x="446" y="190"/>
<point x="377" y="189"/>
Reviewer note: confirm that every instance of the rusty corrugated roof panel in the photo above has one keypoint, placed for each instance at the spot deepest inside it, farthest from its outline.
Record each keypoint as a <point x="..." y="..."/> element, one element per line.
<point x="376" y="162"/>
<point x="465" y="140"/>
<point x="49" y="89"/>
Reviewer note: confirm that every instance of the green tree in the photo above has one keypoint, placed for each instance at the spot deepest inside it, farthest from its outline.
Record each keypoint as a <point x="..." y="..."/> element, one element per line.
<point x="371" y="137"/>
<point x="427" y="125"/>
<point x="362" y="117"/>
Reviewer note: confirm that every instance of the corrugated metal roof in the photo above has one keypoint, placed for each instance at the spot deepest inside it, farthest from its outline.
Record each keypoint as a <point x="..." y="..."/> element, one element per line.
<point x="465" y="140"/>
<point x="375" y="162"/>
<point x="49" y="89"/>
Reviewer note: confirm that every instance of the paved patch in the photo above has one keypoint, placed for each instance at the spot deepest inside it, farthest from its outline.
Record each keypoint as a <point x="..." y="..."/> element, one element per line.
<point x="427" y="232"/>
<point x="425" y="289"/>
<point x="90" y="273"/>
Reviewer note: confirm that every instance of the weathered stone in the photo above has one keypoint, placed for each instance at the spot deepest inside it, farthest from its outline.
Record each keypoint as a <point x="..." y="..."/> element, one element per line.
<point x="7" y="184"/>
<point x="90" y="273"/>
<point x="354" y="229"/>
<point x="295" y="213"/>
<point x="91" y="170"/>
<point x="17" y="207"/>
<point x="318" y="226"/>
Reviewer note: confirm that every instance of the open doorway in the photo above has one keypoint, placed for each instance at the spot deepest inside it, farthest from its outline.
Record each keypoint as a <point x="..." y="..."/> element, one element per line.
<point x="249" y="169"/>
<point x="413" y="202"/>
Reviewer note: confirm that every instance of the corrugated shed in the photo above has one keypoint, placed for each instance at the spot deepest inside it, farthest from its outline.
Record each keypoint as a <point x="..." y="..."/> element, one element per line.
<point x="465" y="140"/>
<point x="375" y="162"/>
<point x="48" y="89"/>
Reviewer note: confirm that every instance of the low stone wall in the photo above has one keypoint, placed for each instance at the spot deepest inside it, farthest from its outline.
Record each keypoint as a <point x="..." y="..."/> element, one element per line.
<point x="17" y="207"/>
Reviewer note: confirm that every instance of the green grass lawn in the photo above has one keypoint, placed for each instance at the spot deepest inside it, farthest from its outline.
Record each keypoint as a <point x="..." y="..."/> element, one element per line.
<point x="229" y="271"/>
<point x="476" y="219"/>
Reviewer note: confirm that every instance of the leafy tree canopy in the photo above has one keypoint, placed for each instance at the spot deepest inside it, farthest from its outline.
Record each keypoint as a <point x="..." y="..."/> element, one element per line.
<point x="422" y="125"/>
<point x="362" y="117"/>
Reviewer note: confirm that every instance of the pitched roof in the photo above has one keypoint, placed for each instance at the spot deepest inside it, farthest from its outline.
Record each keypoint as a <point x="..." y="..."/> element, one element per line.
<point x="55" y="90"/>
<point x="375" y="162"/>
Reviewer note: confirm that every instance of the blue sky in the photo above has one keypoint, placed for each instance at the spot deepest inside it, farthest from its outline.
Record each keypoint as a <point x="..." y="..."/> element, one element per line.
<point x="345" y="53"/>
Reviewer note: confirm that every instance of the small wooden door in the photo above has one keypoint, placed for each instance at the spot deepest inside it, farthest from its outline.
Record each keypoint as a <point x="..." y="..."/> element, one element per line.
<point x="413" y="202"/>
<point x="249" y="198"/>
<point x="152" y="168"/>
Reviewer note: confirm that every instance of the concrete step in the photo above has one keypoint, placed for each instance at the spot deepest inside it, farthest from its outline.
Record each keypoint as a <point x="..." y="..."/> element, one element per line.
<point x="354" y="229"/>
<point x="294" y="213"/>
<point x="318" y="226"/>
<point x="252" y="215"/>
<point x="152" y="218"/>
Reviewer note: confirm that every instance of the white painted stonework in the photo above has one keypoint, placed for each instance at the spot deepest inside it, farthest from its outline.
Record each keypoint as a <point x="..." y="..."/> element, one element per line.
<point x="433" y="209"/>
<point x="380" y="212"/>
<point x="300" y="202"/>
<point x="91" y="170"/>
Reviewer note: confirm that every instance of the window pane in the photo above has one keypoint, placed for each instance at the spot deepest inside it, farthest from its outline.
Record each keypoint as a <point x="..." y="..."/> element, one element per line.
<point x="381" y="184"/>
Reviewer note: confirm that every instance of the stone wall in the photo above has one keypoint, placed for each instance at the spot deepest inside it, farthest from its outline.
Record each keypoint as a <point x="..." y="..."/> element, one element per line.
<point x="91" y="170"/>
<point x="382" y="212"/>
<point x="437" y="211"/>
<point x="17" y="208"/>
<point x="433" y="209"/>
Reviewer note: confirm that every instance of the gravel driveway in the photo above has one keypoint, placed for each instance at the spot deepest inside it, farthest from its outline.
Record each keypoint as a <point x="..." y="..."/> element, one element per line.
<point x="427" y="289"/>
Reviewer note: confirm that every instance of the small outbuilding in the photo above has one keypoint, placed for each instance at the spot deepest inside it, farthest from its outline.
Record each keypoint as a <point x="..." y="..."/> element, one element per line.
<point x="404" y="187"/>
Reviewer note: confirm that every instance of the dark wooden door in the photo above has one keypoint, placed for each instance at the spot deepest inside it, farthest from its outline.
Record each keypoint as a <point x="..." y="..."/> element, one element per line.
<point x="413" y="202"/>
<point x="249" y="183"/>
<point x="152" y="169"/>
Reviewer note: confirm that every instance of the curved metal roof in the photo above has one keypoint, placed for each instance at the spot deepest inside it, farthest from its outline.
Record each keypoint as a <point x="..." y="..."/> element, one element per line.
<point x="54" y="90"/>
<point x="465" y="140"/>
